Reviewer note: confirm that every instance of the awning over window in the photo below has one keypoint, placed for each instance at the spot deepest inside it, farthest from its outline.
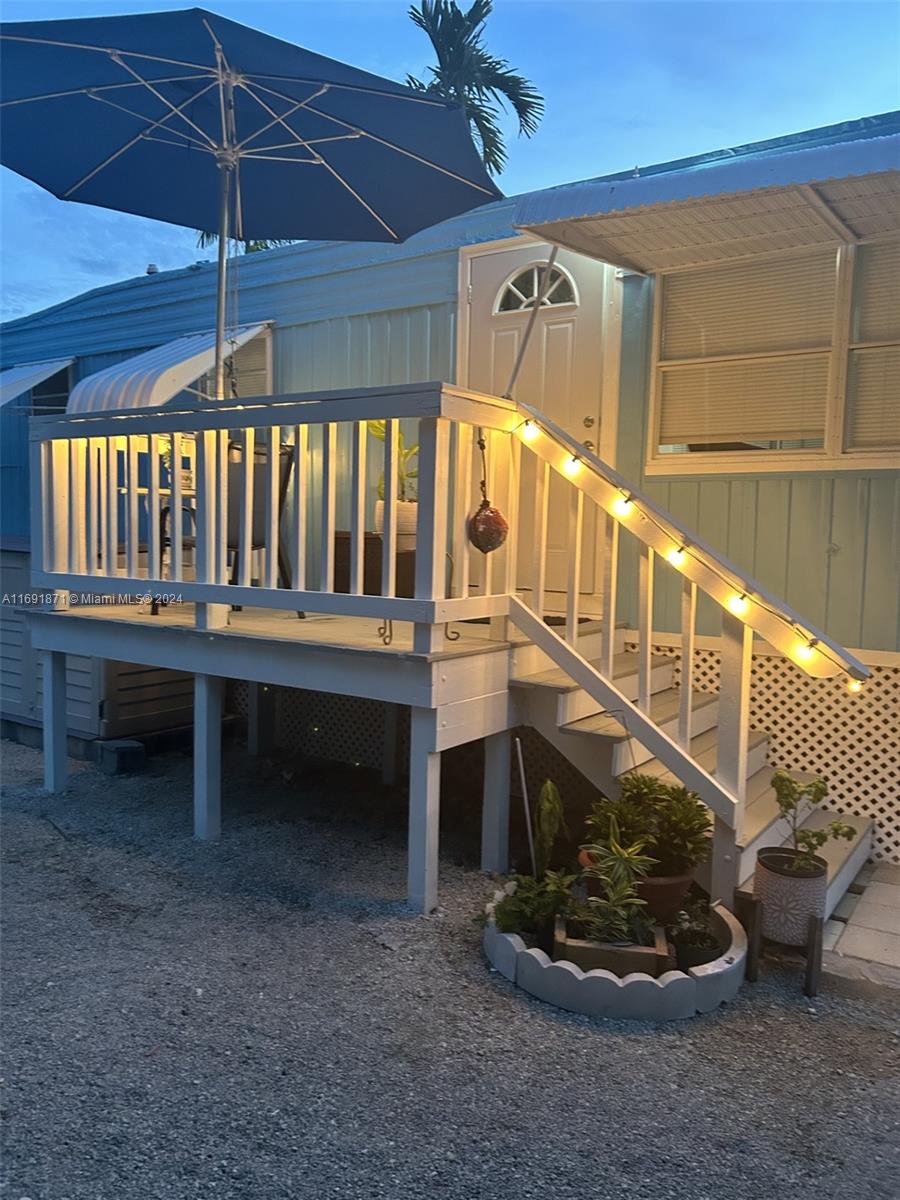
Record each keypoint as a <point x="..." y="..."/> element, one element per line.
<point x="152" y="378"/>
<point x="15" y="381"/>
<point x="712" y="213"/>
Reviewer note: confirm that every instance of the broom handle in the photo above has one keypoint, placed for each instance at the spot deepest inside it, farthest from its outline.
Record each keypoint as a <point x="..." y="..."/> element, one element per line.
<point x="527" y="806"/>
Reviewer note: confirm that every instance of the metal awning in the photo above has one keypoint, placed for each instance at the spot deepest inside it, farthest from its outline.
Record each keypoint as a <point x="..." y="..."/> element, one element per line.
<point x="152" y="378"/>
<point x="711" y="213"/>
<point x="15" y="381"/>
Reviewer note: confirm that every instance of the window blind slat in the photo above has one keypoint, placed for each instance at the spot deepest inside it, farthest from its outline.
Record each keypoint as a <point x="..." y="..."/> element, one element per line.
<point x="873" y="398"/>
<point x="876" y="315"/>
<point x="754" y="401"/>
<point x="776" y="304"/>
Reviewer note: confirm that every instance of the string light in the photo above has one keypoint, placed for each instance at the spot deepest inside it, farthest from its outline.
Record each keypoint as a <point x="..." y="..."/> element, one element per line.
<point x="738" y="603"/>
<point x="572" y="466"/>
<point x="676" y="556"/>
<point x="804" y="652"/>
<point x="623" y="506"/>
<point x="854" y="685"/>
<point x="530" y="432"/>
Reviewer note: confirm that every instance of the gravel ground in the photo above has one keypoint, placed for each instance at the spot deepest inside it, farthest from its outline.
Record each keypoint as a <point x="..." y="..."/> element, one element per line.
<point x="262" y="1019"/>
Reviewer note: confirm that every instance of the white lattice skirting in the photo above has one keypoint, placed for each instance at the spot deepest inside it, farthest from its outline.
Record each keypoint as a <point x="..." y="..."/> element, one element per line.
<point x="815" y="725"/>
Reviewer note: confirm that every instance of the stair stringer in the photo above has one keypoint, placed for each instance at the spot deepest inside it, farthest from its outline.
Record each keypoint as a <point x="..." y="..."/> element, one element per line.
<point x="592" y="760"/>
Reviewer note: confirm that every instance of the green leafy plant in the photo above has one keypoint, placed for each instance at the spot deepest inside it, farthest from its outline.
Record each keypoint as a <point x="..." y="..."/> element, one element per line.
<point x="614" y="914"/>
<point x="549" y="821"/>
<point x="530" y="906"/>
<point x="791" y="796"/>
<point x="692" y="928"/>
<point x="670" y="821"/>
<point x="406" y="474"/>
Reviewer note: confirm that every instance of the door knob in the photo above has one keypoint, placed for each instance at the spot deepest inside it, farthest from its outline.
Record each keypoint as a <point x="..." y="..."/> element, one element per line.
<point x="588" y="422"/>
<point x="588" y="445"/>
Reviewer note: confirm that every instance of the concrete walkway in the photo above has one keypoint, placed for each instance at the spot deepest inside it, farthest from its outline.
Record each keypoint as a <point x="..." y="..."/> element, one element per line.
<point x="862" y="940"/>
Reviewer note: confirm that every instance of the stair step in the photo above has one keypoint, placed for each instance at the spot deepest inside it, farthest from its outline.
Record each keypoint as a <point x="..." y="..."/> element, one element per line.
<point x="705" y="750"/>
<point x="624" y="664"/>
<point x="664" y="708"/>
<point x="844" y="858"/>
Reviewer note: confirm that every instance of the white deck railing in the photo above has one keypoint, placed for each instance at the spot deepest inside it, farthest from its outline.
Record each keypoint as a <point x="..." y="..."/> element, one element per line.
<point x="165" y="501"/>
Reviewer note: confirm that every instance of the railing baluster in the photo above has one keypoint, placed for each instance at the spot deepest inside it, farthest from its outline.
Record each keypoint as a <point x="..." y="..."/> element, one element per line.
<point x="573" y="582"/>
<point x="462" y="495"/>
<point x="329" y="477"/>
<point x="489" y="561"/>
<point x="273" y="484"/>
<point x="245" y="533"/>
<point x="90" y="507"/>
<point x="688" y="627"/>
<point x="78" y="504"/>
<point x="60" y="507"/>
<point x="389" y="535"/>
<point x="222" y="507"/>
<point x="610" y="588"/>
<point x="132" y="528"/>
<point x="208" y="616"/>
<point x="358" y="508"/>
<point x="645" y="627"/>
<point x="541" y="515"/>
<point x="731" y="756"/>
<point x="112" y="492"/>
<point x="176" y="516"/>
<point x="301" y="433"/>
<point x="431" y="528"/>
<point x="154" y="567"/>
<point x="102" y="562"/>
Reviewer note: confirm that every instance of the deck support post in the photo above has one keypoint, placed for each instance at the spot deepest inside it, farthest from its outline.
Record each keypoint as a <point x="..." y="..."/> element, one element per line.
<point x="389" y="749"/>
<point x="495" y="808"/>
<point x="726" y="857"/>
<point x="260" y="719"/>
<point x="424" y="812"/>
<point x="431" y="527"/>
<point x="55" y="759"/>
<point x="208" y="690"/>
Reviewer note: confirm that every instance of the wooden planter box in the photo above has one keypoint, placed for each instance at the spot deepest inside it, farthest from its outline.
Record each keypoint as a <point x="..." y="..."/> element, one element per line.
<point x="620" y="960"/>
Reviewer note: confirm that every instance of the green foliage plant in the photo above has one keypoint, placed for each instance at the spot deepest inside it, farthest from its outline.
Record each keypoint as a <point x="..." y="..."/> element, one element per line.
<point x="791" y="797"/>
<point x="548" y="821"/>
<point x="615" y="913"/>
<point x="406" y="473"/>
<point x="530" y="906"/>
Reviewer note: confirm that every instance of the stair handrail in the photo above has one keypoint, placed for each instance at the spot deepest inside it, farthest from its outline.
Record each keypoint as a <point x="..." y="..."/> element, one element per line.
<point x="798" y="639"/>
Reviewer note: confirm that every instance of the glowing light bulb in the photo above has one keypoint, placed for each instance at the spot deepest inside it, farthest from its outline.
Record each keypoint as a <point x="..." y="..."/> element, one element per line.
<point x="529" y="432"/>
<point x="572" y="466"/>
<point x="677" y="556"/>
<point x="622" y="506"/>
<point x="854" y="685"/>
<point x="804" y="652"/>
<point x="738" y="604"/>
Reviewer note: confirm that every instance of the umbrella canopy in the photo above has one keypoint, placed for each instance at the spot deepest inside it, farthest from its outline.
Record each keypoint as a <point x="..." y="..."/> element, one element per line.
<point x="189" y="118"/>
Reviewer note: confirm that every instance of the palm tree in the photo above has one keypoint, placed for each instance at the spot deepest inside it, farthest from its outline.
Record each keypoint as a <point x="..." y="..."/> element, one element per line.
<point x="469" y="74"/>
<point x="210" y="239"/>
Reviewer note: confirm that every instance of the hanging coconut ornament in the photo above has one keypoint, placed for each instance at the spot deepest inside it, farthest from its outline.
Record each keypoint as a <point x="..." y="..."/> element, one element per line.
<point x="487" y="528"/>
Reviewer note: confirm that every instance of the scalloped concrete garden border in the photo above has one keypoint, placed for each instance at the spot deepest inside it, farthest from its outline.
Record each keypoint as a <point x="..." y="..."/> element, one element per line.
<point x="673" y="997"/>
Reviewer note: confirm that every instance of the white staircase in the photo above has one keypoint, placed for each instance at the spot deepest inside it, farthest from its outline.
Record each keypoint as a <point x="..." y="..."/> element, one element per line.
<point x="597" y="741"/>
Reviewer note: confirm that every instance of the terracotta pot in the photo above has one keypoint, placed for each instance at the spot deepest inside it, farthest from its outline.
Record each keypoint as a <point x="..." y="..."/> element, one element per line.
<point x="789" y="897"/>
<point x="407" y="515"/>
<point x="663" y="896"/>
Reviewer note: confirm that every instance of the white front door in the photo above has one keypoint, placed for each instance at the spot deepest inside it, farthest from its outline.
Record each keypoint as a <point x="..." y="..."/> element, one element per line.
<point x="562" y="372"/>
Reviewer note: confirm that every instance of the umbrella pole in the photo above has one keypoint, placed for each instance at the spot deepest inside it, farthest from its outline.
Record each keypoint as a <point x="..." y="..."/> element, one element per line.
<point x="222" y="280"/>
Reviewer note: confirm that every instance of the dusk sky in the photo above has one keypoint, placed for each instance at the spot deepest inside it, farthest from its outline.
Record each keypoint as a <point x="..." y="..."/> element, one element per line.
<point x="625" y="84"/>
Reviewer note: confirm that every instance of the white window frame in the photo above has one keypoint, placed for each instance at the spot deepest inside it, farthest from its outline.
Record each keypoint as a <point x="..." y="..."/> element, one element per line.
<point x="833" y="455"/>
<point x="496" y="311"/>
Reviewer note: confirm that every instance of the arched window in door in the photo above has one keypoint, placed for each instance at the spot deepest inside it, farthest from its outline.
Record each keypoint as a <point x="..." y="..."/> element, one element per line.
<point x="518" y="293"/>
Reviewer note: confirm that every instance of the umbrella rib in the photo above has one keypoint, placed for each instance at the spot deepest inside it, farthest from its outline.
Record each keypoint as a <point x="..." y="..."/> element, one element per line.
<point x="338" y="137"/>
<point x="175" y="111"/>
<point x="412" y="98"/>
<point x="390" y="145"/>
<point x="112" y="157"/>
<point x="91" y="91"/>
<point x="319" y="158"/>
<point x="188" y="140"/>
<point x="283" y="117"/>
<point x="33" y="41"/>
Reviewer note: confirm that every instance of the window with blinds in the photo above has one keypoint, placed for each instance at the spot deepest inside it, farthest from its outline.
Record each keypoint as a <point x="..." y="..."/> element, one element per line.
<point x="743" y="358"/>
<point x="873" y="368"/>
<point x="767" y="355"/>
<point x="246" y="371"/>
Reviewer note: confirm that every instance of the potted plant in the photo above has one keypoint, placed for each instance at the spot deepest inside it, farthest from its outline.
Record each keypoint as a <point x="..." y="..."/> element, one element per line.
<point x="611" y="931"/>
<point x="407" y="495"/>
<point x="530" y="907"/>
<point x="692" y="936"/>
<point x="791" y="880"/>
<point x="674" y="827"/>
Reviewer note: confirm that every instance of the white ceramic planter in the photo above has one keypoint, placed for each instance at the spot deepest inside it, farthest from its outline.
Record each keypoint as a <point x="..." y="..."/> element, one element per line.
<point x="407" y="516"/>
<point x="788" y="899"/>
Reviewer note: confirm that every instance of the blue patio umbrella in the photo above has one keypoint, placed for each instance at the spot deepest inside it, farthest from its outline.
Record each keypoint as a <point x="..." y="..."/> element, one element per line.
<point x="196" y="120"/>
